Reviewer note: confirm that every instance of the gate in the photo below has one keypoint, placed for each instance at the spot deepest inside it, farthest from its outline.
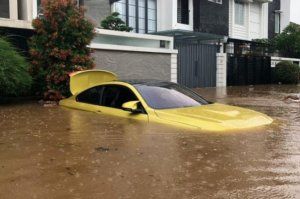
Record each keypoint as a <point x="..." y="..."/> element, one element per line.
<point x="248" y="70"/>
<point x="196" y="64"/>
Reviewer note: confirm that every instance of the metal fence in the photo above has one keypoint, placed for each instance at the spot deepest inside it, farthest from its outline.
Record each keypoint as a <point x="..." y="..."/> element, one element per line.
<point x="248" y="70"/>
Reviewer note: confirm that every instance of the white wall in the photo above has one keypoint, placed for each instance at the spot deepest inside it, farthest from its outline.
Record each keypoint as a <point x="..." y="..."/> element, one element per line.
<point x="295" y="11"/>
<point x="165" y="14"/>
<point x="285" y="14"/>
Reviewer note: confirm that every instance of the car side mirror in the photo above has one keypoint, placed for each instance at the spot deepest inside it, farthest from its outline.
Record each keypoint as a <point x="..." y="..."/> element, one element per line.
<point x="131" y="106"/>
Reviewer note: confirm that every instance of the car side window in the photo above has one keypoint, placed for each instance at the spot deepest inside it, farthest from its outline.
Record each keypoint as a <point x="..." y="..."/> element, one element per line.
<point x="90" y="96"/>
<point x="115" y="96"/>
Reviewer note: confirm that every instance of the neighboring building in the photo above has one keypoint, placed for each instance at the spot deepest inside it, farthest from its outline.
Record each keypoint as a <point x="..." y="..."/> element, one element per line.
<point x="281" y="14"/>
<point x="290" y="13"/>
<point x="274" y="18"/>
<point x="210" y="21"/>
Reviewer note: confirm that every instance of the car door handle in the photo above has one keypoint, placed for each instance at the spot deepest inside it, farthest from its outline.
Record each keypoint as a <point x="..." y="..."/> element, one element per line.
<point x="99" y="111"/>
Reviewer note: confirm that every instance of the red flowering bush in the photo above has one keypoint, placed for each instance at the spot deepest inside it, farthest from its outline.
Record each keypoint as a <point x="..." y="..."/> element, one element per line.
<point x="59" y="46"/>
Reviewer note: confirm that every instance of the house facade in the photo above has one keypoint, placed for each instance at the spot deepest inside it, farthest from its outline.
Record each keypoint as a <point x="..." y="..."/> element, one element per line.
<point x="130" y="55"/>
<point x="17" y="14"/>
<point x="201" y="30"/>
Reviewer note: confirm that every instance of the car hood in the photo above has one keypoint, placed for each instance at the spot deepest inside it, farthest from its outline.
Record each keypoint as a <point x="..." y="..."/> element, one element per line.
<point x="215" y="117"/>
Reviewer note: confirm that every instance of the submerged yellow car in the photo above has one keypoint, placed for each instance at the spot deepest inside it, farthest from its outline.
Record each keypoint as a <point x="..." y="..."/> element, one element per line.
<point x="156" y="101"/>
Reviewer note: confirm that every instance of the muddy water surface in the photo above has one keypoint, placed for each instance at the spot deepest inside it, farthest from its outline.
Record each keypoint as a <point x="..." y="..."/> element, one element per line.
<point x="63" y="153"/>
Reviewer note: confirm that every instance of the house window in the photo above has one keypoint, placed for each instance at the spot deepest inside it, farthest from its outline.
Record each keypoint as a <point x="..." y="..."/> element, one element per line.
<point x="151" y="16"/>
<point x="216" y="1"/>
<point x="120" y="7"/>
<point x="138" y="14"/>
<point x="277" y="22"/>
<point x="4" y="9"/>
<point x="239" y="13"/>
<point x="183" y="11"/>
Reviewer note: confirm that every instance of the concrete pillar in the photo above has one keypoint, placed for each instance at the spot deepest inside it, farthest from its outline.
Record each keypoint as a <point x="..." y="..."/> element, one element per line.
<point x="174" y="68"/>
<point x="13" y="9"/>
<point x="221" y="70"/>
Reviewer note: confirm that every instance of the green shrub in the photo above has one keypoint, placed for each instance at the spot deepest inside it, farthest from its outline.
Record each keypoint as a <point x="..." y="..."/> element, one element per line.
<point x="14" y="77"/>
<point x="287" y="73"/>
<point x="114" y="22"/>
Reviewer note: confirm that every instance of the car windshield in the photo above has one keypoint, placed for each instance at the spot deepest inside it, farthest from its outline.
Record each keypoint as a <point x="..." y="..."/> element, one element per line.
<point x="169" y="95"/>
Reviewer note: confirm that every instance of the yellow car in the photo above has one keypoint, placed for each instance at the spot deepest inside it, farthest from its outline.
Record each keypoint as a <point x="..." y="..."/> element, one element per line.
<point x="156" y="101"/>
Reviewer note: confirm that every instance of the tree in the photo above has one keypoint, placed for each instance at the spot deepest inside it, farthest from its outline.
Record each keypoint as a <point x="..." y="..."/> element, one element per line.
<point x="59" y="46"/>
<point x="14" y="77"/>
<point x="288" y="42"/>
<point x="114" y="22"/>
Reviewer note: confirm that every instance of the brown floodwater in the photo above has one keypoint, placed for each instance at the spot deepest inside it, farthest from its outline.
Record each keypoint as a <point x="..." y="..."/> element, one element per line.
<point x="63" y="153"/>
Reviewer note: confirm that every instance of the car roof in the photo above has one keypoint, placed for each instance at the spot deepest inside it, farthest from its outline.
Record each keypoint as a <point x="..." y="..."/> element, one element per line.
<point x="147" y="82"/>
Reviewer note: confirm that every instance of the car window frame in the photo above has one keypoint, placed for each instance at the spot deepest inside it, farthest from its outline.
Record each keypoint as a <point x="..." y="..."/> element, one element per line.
<point x="102" y="92"/>
<point x="181" y="86"/>
<point x="100" y="97"/>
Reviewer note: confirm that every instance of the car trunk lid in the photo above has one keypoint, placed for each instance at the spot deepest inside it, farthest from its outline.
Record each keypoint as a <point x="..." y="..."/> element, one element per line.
<point x="81" y="80"/>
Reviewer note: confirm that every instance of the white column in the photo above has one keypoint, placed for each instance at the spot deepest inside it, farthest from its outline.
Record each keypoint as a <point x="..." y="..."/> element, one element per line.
<point x="174" y="67"/>
<point x="29" y="10"/>
<point x="221" y="70"/>
<point x="191" y="13"/>
<point x="34" y="9"/>
<point x="13" y="9"/>
<point x="173" y="7"/>
<point x="265" y="20"/>
<point x="247" y="21"/>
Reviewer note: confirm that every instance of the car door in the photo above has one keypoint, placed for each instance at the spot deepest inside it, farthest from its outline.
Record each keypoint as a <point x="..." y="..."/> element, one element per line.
<point x="112" y="99"/>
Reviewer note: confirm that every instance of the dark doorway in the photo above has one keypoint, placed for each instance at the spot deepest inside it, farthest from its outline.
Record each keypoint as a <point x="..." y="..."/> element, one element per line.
<point x="183" y="11"/>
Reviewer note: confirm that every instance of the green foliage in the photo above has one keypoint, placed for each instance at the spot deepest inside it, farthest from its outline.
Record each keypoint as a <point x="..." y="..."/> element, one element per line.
<point x="288" y="42"/>
<point x="14" y="77"/>
<point x="262" y="47"/>
<point x="59" y="46"/>
<point x="114" y="22"/>
<point x="287" y="73"/>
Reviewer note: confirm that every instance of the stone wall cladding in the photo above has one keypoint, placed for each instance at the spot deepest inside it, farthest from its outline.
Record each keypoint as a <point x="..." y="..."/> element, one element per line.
<point x="210" y="17"/>
<point x="134" y="65"/>
<point x="97" y="10"/>
<point x="275" y="5"/>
